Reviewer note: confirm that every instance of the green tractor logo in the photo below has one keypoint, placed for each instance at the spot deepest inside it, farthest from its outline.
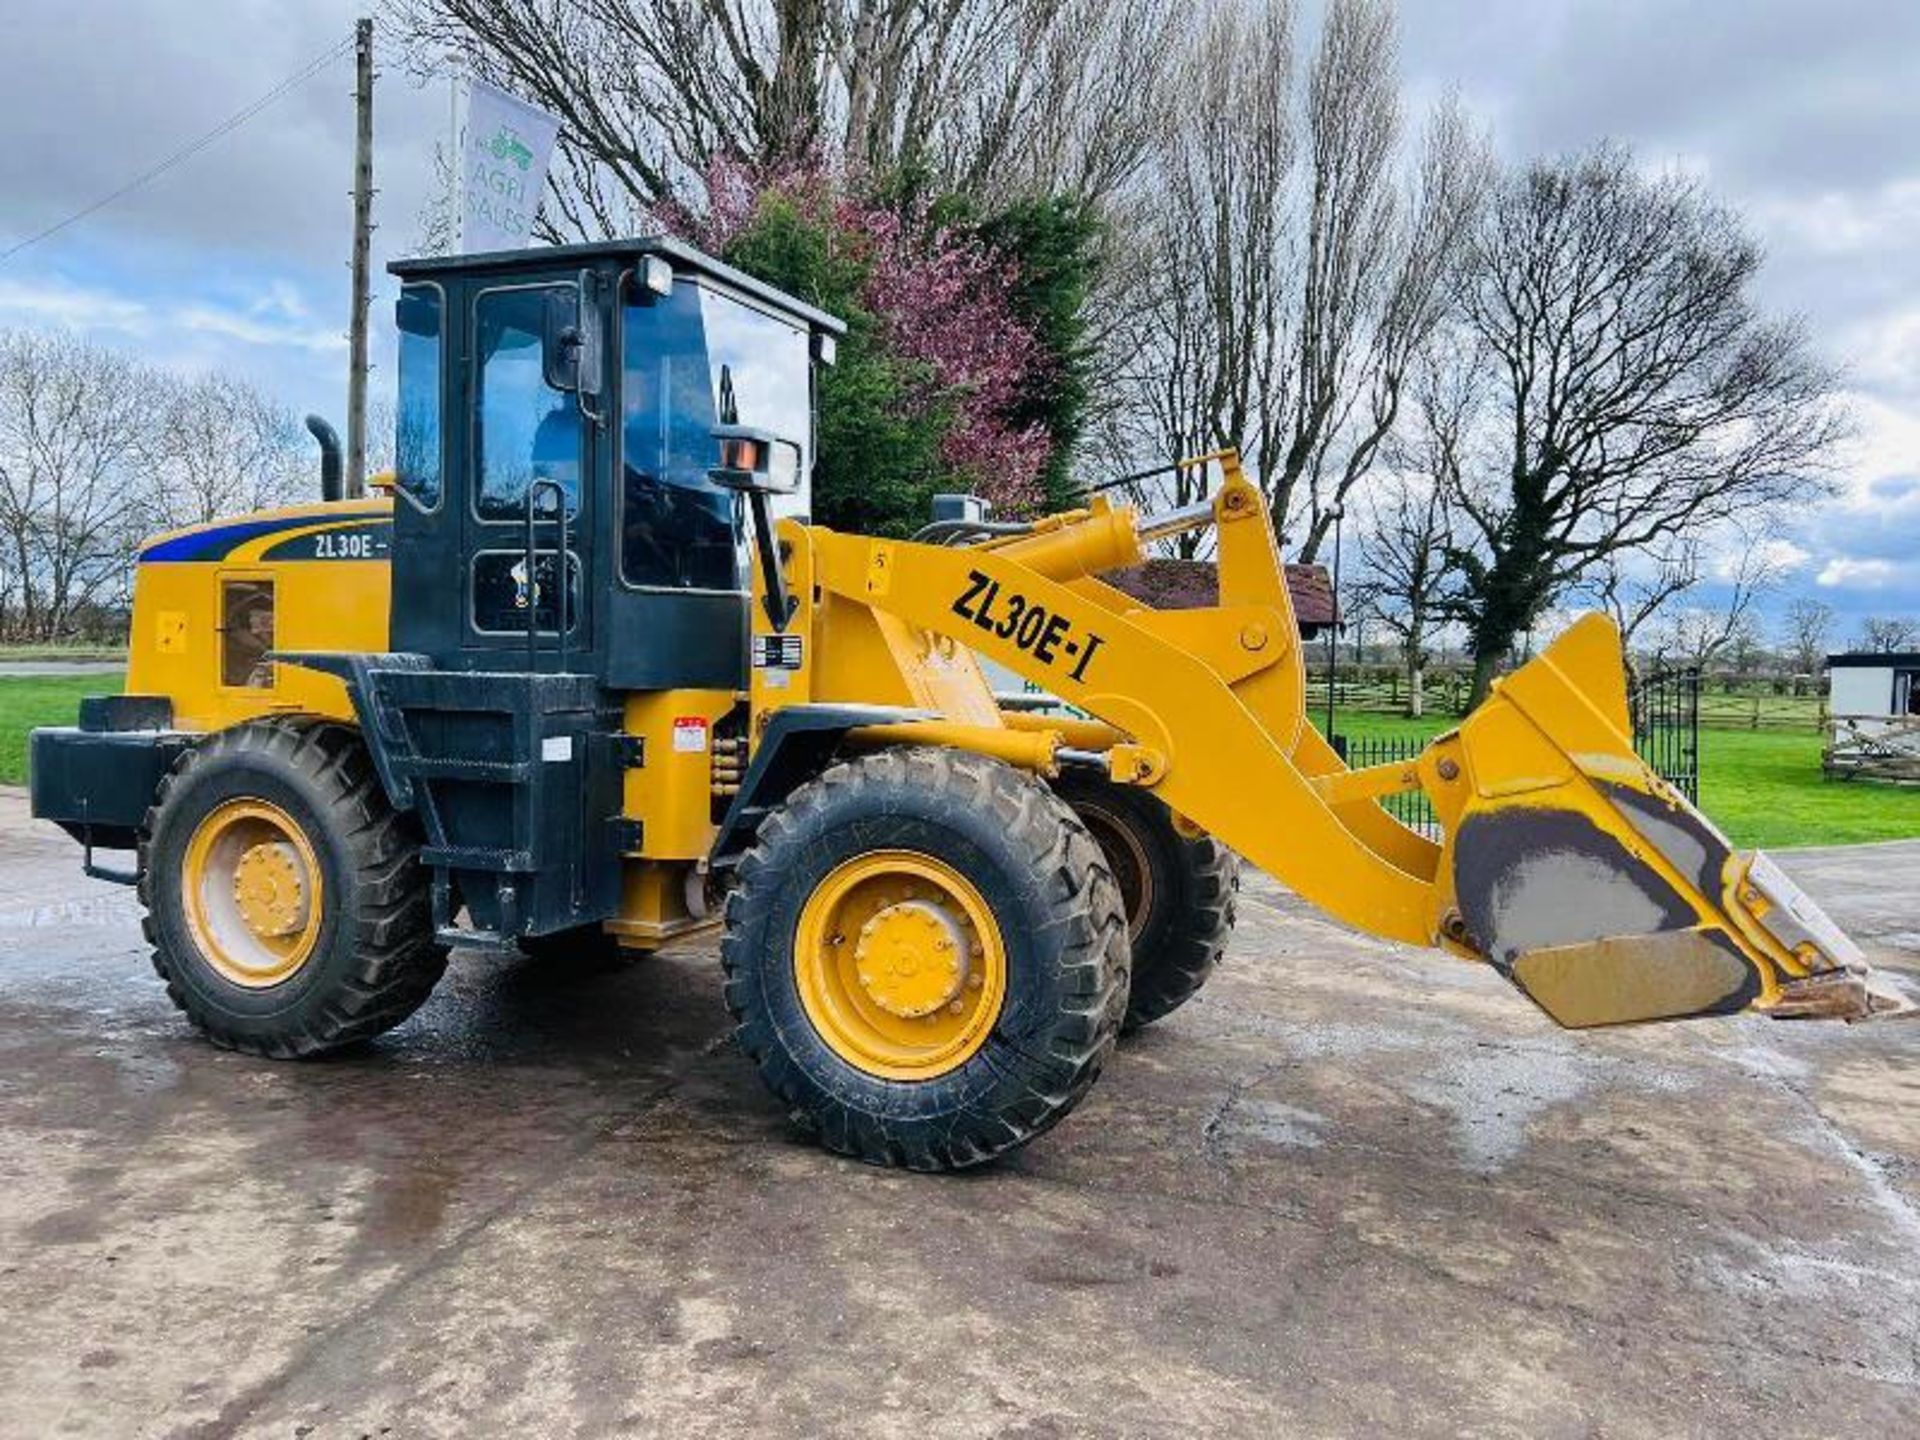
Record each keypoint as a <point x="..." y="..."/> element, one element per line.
<point x="506" y="145"/>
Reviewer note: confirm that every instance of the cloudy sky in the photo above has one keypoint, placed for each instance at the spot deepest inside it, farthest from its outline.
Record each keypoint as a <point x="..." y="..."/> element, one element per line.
<point x="1804" y="113"/>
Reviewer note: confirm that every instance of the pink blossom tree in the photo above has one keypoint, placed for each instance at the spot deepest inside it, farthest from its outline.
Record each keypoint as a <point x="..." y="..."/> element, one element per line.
<point x="940" y="297"/>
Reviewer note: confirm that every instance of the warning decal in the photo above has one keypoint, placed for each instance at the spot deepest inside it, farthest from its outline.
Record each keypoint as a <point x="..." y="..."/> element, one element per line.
<point x="690" y="735"/>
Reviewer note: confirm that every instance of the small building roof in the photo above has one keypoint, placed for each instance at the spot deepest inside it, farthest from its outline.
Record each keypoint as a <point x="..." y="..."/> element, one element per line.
<point x="1875" y="660"/>
<point x="1194" y="584"/>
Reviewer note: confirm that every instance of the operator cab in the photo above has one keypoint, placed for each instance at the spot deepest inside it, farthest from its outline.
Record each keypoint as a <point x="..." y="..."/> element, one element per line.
<point x="599" y="373"/>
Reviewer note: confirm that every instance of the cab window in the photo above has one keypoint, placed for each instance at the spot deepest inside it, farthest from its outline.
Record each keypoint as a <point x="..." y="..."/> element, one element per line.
<point x="416" y="448"/>
<point x="692" y="360"/>
<point x="246" y="634"/>
<point x="525" y="429"/>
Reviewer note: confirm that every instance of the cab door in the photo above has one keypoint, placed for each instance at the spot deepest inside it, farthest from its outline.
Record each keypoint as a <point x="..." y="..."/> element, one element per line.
<point x="531" y="443"/>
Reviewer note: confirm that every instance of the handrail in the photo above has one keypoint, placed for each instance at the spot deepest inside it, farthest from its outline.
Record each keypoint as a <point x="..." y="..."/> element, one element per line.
<point x="563" y="577"/>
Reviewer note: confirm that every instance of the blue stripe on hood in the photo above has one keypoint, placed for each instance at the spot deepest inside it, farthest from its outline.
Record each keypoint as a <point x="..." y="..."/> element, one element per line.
<point x="213" y="544"/>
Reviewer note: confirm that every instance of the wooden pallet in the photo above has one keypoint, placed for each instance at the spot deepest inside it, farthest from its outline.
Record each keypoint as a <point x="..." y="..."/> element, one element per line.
<point x="1880" y="747"/>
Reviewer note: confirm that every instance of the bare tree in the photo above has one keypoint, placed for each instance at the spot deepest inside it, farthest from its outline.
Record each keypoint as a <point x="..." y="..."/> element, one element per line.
<point x="1203" y="362"/>
<point x="1697" y="634"/>
<point x="1806" y="631"/>
<point x="1887" y="634"/>
<point x="1653" y="595"/>
<point x="1638" y="589"/>
<point x="994" y="96"/>
<point x="72" y="417"/>
<point x="1364" y="348"/>
<point x="218" y="446"/>
<point x="1411" y="530"/>
<point x="1642" y="398"/>
<point x="1303" y="257"/>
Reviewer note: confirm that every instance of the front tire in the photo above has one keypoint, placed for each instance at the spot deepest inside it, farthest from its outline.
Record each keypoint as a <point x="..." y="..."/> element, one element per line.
<point x="926" y="957"/>
<point x="286" y="905"/>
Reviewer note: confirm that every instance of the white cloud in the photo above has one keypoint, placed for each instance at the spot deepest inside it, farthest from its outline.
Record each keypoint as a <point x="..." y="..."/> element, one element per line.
<point x="278" y="317"/>
<point x="1883" y="350"/>
<point x="1886" y="443"/>
<point x="1842" y="222"/>
<point x="1784" y="556"/>
<point x="248" y="327"/>
<point x="59" y="302"/>
<point x="1845" y="571"/>
<point x="1778" y="556"/>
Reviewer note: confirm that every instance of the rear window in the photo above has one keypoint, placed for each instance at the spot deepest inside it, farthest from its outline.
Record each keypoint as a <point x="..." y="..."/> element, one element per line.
<point x="416" y="441"/>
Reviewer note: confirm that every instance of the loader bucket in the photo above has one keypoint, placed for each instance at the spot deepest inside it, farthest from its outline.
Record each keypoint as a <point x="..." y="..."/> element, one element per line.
<point x="1595" y="887"/>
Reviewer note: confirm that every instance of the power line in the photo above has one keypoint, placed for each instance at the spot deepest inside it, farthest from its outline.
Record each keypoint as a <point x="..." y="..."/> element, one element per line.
<point x="187" y="151"/>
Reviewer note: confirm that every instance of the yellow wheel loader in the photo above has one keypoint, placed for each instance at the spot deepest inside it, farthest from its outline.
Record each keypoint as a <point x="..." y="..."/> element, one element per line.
<point x="585" y="675"/>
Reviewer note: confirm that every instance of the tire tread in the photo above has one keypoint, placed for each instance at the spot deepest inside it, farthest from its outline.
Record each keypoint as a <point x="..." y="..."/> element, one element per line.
<point x="1093" y="960"/>
<point x="396" y="960"/>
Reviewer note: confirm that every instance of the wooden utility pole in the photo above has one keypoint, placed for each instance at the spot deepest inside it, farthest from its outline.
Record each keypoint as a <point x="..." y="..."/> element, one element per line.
<point x="362" y="246"/>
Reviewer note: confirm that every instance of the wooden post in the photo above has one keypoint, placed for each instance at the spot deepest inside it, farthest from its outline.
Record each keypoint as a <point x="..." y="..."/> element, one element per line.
<point x="362" y="246"/>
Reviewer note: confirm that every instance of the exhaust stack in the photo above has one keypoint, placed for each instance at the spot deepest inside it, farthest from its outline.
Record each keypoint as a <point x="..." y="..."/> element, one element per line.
<point x="333" y="485"/>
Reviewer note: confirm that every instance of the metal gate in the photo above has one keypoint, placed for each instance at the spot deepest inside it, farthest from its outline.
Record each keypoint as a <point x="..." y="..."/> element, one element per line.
<point x="1666" y="727"/>
<point x="1664" y="707"/>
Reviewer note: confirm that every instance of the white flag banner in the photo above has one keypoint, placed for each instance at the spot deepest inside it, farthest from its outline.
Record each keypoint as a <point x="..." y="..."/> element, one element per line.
<point x="503" y="168"/>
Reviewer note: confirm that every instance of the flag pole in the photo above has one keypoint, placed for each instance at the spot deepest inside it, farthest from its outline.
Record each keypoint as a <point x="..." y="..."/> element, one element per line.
<point x="453" y="152"/>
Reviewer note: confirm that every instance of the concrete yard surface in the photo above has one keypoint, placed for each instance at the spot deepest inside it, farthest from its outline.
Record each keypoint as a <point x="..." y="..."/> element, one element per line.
<point x="1350" y="1190"/>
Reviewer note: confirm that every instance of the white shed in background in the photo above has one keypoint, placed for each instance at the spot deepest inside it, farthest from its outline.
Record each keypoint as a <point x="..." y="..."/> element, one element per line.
<point x="1879" y="686"/>
<point x="1875" y="704"/>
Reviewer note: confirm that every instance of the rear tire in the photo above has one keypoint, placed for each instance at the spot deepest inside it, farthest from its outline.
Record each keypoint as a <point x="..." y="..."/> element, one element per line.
<point x="1179" y="892"/>
<point x="960" y="855"/>
<point x="332" y="942"/>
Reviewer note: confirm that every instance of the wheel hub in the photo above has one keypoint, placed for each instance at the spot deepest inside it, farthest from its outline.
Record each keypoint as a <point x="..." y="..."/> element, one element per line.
<point x="251" y="888"/>
<point x="912" y="958"/>
<point x="269" y="890"/>
<point x="900" y="964"/>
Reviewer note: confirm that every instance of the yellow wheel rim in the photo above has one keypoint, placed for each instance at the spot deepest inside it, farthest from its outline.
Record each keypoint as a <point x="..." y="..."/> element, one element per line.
<point x="900" y="965"/>
<point x="252" y="893"/>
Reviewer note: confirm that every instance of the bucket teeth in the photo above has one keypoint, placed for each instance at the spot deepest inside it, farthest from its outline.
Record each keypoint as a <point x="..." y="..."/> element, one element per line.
<point x="1848" y="994"/>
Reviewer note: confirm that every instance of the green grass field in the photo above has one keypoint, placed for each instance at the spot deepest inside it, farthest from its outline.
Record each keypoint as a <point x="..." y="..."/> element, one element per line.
<point x="30" y="700"/>
<point x="1763" y="787"/>
<point x="63" y="652"/>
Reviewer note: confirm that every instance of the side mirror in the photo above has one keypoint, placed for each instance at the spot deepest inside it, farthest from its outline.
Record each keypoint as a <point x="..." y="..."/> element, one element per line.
<point x="571" y="344"/>
<point x="755" y="461"/>
<point x="760" y="465"/>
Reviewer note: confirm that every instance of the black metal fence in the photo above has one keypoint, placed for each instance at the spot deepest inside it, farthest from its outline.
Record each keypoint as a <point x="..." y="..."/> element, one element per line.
<point x="1412" y="808"/>
<point x="1665" y="709"/>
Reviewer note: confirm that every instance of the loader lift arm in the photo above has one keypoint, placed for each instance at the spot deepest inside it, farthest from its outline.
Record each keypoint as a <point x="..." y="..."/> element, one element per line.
<point x="1564" y="861"/>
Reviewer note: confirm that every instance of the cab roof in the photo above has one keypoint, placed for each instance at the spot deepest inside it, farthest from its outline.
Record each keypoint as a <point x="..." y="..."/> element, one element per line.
<point x="682" y="256"/>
